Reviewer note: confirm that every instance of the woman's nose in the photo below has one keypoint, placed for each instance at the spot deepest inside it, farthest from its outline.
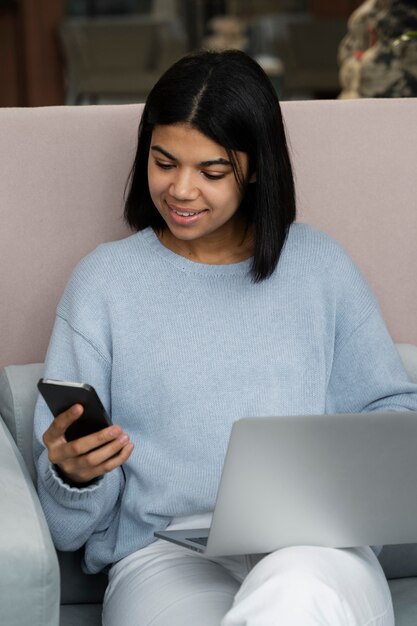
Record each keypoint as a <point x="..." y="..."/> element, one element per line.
<point x="183" y="187"/>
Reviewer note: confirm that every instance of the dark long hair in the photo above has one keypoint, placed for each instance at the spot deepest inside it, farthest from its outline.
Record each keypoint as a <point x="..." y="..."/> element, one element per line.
<point x="229" y="98"/>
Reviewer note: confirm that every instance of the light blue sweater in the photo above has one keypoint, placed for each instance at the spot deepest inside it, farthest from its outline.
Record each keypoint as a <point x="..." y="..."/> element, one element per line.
<point x="179" y="350"/>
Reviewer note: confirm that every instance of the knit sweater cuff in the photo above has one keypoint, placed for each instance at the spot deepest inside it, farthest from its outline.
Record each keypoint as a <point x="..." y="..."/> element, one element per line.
<point x="60" y="490"/>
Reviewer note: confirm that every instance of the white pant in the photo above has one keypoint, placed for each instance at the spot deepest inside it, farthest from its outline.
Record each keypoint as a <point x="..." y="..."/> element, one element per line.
<point x="167" y="585"/>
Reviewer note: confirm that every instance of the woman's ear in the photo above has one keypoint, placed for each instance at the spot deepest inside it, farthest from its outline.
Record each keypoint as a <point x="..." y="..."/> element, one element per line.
<point x="252" y="179"/>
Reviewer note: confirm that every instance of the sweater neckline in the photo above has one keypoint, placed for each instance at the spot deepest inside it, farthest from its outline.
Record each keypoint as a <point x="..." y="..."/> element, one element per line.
<point x="150" y="237"/>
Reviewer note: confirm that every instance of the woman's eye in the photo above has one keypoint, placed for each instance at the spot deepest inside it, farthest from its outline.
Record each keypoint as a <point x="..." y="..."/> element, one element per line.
<point x="164" y="166"/>
<point x="213" y="176"/>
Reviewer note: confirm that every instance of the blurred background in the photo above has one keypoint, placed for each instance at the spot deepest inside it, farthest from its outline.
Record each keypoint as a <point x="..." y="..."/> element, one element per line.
<point x="55" y="52"/>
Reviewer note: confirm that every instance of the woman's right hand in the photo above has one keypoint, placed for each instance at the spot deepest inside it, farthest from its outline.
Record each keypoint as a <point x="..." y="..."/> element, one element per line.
<point x="86" y="458"/>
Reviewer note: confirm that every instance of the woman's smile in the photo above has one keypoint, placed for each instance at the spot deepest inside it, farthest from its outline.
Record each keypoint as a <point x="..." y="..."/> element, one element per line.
<point x="185" y="216"/>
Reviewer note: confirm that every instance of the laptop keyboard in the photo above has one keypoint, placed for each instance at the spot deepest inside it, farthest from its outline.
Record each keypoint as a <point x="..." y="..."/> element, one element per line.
<point x="200" y="540"/>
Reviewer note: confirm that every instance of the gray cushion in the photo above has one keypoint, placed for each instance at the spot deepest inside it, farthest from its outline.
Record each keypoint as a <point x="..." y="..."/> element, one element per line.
<point x="77" y="587"/>
<point x="18" y="394"/>
<point x="399" y="561"/>
<point x="404" y="598"/>
<point x="29" y="572"/>
<point x="408" y="354"/>
<point x="80" y="615"/>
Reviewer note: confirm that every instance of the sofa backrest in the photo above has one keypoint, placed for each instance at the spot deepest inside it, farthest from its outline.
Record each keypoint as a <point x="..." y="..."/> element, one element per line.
<point x="61" y="193"/>
<point x="64" y="170"/>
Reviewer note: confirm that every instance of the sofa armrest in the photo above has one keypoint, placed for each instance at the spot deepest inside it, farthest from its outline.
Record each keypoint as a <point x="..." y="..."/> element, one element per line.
<point x="408" y="354"/>
<point x="29" y="571"/>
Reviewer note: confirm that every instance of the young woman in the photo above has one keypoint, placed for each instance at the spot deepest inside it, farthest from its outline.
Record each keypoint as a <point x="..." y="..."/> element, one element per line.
<point x="218" y="307"/>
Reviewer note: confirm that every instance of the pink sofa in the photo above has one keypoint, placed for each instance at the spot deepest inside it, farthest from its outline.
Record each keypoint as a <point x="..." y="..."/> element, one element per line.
<point x="63" y="174"/>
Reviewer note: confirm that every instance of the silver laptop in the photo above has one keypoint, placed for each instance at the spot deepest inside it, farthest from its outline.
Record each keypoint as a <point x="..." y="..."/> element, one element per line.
<point x="339" y="480"/>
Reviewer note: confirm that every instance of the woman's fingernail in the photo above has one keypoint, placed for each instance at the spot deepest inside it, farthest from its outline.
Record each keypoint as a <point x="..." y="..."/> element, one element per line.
<point x="123" y="438"/>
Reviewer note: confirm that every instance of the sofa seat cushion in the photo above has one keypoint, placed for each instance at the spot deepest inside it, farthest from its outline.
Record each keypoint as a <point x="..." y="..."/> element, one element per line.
<point x="404" y="597"/>
<point x="80" y="614"/>
<point x="399" y="561"/>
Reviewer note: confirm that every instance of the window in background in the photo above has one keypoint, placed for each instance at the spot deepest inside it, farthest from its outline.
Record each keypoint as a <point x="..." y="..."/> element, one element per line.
<point x="85" y="51"/>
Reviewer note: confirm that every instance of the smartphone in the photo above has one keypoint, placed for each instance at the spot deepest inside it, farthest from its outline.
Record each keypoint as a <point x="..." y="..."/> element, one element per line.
<point x="60" y="395"/>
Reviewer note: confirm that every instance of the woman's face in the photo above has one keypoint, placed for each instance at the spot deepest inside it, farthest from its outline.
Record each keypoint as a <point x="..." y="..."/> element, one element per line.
<point x="193" y="186"/>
